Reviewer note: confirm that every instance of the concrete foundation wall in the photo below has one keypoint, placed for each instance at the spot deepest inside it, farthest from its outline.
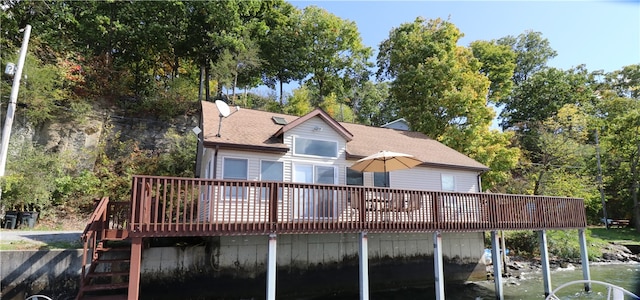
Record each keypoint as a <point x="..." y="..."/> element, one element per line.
<point x="234" y="260"/>
<point x="30" y="272"/>
<point x="311" y="249"/>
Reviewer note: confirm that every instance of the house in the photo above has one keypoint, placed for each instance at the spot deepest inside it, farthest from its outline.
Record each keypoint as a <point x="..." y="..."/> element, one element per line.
<point x="400" y="124"/>
<point x="275" y="195"/>
<point x="315" y="148"/>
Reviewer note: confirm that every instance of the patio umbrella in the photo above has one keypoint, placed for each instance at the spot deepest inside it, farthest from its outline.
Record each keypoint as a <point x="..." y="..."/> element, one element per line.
<point x="385" y="161"/>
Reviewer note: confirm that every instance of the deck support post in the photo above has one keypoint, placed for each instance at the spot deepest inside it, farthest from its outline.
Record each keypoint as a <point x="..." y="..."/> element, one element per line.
<point x="496" y="259"/>
<point x="544" y="257"/>
<point x="584" y="257"/>
<point x="271" y="267"/>
<point x="363" y="253"/>
<point x="438" y="265"/>
<point x="134" y="268"/>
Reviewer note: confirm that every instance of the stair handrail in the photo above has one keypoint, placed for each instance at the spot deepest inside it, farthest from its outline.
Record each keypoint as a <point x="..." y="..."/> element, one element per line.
<point x="616" y="290"/>
<point x="93" y="232"/>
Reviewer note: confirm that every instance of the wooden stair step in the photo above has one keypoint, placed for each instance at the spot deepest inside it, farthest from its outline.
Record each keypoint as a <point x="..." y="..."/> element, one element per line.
<point x="113" y="249"/>
<point x="113" y="260"/>
<point x="107" y="274"/>
<point x="105" y="287"/>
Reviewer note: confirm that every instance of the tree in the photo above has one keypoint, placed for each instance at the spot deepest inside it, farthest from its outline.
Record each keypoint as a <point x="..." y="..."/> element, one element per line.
<point x="562" y="149"/>
<point x="532" y="53"/>
<point x="437" y="85"/>
<point x="540" y="97"/>
<point x="299" y="104"/>
<point x="620" y="111"/>
<point x="282" y="48"/>
<point x="498" y="64"/>
<point x="335" y="56"/>
<point x="372" y="105"/>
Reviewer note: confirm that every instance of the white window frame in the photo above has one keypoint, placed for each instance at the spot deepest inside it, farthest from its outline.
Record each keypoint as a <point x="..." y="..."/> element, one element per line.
<point x="295" y="153"/>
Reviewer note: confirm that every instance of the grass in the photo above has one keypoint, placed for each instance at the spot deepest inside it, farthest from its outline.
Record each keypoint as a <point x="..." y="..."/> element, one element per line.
<point x="626" y="235"/>
<point x="36" y="245"/>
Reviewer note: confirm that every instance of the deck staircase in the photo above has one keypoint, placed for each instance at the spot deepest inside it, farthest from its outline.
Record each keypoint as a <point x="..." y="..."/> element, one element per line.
<point x="107" y="259"/>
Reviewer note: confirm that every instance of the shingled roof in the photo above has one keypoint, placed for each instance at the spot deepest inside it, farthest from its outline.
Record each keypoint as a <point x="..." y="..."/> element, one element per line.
<point x="247" y="129"/>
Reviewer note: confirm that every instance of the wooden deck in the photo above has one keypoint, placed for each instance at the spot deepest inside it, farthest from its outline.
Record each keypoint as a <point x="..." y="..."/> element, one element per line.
<point x="170" y="207"/>
<point x="162" y="206"/>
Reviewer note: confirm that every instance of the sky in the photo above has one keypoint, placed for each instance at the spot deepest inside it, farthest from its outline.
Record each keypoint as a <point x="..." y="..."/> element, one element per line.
<point x="603" y="35"/>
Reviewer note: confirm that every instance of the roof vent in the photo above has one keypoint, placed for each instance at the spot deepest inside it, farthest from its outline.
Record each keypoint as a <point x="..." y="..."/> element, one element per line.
<point x="279" y="120"/>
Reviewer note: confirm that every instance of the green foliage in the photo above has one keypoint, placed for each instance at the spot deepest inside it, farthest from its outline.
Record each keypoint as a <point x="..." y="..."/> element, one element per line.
<point x="340" y="112"/>
<point x="300" y="103"/>
<point x="532" y="53"/>
<point x="339" y="58"/>
<point x="437" y="85"/>
<point x="498" y="64"/>
<point x="372" y="105"/>
<point x="565" y="244"/>
<point x="119" y="160"/>
<point x="561" y="243"/>
<point x="175" y="98"/>
<point x="30" y="180"/>
<point x="493" y="148"/>
<point x="522" y="242"/>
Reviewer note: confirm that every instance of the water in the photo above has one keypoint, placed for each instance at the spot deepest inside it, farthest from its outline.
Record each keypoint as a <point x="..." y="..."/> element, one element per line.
<point x="531" y="287"/>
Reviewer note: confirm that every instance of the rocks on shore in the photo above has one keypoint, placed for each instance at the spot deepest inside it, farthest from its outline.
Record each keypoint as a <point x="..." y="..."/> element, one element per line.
<point x="516" y="266"/>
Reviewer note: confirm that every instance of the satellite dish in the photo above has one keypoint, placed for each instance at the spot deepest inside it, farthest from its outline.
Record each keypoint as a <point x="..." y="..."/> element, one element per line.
<point x="223" y="108"/>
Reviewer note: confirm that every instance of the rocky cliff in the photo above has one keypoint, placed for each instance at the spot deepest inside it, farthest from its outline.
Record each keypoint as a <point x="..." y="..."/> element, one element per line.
<point x="102" y="125"/>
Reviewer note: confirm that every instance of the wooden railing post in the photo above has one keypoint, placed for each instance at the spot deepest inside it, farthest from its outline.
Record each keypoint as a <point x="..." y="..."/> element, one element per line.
<point x="273" y="204"/>
<point x="362" y="213"/>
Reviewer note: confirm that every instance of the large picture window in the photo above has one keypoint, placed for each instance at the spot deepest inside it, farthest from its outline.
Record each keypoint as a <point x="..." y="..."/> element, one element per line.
<point x="235" y="168"/>
<point x="303" y="146"/>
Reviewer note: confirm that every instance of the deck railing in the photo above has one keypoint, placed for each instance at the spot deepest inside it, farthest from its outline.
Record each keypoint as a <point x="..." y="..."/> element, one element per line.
<point x="170" y="206"/>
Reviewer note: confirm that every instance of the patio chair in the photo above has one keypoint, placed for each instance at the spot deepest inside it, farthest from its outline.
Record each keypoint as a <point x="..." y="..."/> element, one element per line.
<point x="413" y="204"/>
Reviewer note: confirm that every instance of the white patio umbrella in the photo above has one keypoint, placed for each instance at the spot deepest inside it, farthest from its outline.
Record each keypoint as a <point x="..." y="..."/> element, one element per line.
<point x="386" y="161"/>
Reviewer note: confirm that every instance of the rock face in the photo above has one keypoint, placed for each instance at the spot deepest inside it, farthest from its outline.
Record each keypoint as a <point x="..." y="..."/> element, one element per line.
<point x="82" y="139"/>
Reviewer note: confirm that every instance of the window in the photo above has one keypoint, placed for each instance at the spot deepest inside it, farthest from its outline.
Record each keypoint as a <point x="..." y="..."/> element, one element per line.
<point x="272" y="171"/>
<point x="321" y="148"/>
<point x="311" y="202"/>
<point x="235" y="168"/>
<point x="381" y="179"/>
<point x="448" y="182"/>
<point x="354" y="177"/>
<point x="325" y="175"/>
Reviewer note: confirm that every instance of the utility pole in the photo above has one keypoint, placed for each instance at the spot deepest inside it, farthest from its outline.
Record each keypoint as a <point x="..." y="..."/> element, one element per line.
<point x="604" y="203"/>
<point x="6" y="130"/>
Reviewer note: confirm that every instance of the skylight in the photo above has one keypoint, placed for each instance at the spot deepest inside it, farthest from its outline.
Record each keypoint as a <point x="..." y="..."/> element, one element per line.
<point x="279" y="120"/>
